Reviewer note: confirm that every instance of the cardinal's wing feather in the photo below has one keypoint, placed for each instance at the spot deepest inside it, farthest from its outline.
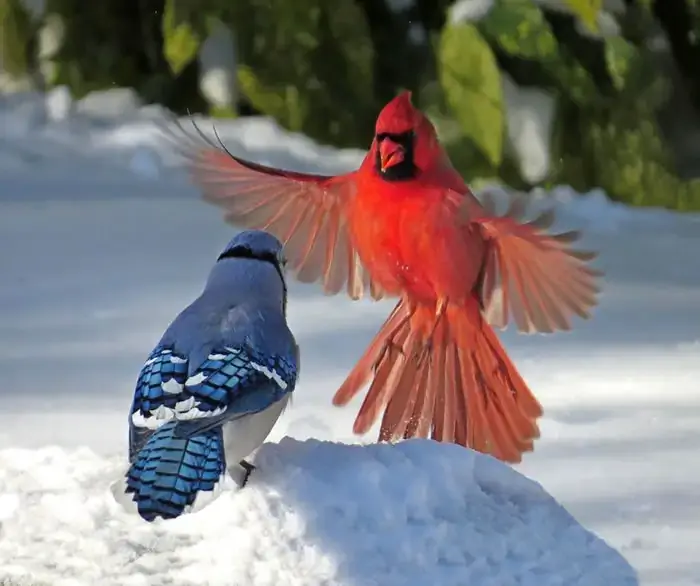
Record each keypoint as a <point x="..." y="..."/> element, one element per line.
<point x="306" y="212"/>
<point x="533" y="277"/>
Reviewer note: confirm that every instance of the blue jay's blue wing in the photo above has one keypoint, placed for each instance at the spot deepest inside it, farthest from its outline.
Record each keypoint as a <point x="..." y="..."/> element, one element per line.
<point x="176" y="446"/>
<point x="160" y="381"/>
<point x="231" y="382"/>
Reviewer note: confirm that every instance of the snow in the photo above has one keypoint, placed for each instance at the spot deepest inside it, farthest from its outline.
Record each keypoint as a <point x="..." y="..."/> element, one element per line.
<point x="217" y="67"/>
<point x="103" y="242"/>
<point x="530" y="119"/>
<point x="300" y="516"/>
<point x="469" y="10"/>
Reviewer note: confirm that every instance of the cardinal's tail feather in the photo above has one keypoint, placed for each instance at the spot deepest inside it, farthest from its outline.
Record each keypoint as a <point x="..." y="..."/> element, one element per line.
<point x="501" y="410"/>
<point x="382" y="352"/>
<point x="450" y="379"/>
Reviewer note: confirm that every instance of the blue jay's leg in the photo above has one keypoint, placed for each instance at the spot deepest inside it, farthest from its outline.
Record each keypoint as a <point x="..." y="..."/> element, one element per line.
<point x="243" y="437"/>
<point x="248" y="468"/>
<point x="187" y="429"/>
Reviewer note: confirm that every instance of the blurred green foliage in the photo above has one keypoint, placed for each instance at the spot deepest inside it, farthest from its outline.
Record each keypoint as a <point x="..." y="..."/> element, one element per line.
<point x="15" y="37"/>
<point x="326" y="68"/>
<point x="469" y="74"/>
<point x="308" y="64"/>
<point x="587" y="11"/>
<point x="184" y="28"/>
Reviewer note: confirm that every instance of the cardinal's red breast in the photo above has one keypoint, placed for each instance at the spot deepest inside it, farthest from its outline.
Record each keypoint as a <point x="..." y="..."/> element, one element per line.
<point x="407" y="235"/>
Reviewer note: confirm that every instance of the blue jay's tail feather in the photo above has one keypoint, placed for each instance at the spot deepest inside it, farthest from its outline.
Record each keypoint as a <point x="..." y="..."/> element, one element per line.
<point x="169" y="471"/>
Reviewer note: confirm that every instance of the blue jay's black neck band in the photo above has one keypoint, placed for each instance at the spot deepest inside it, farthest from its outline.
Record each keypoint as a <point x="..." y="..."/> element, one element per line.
<point x="246" y="252"/>
<point x="269" y="257"/>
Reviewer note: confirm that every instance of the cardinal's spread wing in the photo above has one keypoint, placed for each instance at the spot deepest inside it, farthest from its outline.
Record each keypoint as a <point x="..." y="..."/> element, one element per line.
<point x="534" y="277"/>
<point x="306" y="212"/>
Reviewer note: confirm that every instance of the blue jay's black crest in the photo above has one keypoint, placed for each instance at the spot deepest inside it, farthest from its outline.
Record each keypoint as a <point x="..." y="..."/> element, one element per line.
<point x="211" y="390"/>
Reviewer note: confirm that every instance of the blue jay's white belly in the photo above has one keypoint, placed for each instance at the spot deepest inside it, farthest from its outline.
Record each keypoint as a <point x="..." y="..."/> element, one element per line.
<point x="243" y="436"/>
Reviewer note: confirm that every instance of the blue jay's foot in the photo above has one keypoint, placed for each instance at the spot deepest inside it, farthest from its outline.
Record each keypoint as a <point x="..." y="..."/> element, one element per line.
<point x="248" y="469"/>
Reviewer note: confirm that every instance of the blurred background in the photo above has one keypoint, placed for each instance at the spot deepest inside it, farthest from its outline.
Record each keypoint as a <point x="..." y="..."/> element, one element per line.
<point x="588" y="93"/>
<point x="591" y="106"/>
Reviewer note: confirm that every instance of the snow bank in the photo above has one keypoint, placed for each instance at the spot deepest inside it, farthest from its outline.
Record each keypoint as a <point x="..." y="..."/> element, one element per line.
<point x="315" y="513"/>
<point x="112" y="130"/>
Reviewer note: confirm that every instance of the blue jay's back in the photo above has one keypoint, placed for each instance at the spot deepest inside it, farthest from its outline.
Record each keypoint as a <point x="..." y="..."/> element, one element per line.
<point x="216" y="383"/>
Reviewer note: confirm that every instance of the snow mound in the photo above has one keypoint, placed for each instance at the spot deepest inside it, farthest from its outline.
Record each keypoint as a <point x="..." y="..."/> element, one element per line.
<point x="106" y="129"/>
<point x="314" y="513"/>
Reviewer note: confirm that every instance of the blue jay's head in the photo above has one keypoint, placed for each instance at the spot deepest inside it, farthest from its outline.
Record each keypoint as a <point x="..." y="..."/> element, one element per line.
<point x="260" y="246"/>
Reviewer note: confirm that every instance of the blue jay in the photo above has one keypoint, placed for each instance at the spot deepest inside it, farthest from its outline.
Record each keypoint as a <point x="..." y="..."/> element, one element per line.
<point x="216" y="383"/>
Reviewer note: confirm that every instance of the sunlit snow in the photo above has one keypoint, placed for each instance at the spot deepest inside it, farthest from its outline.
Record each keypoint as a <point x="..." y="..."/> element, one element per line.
<point x="103" y="241"/>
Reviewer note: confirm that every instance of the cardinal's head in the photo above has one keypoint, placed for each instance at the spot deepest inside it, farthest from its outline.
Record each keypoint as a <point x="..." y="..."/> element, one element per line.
<point x="404" y="141"/>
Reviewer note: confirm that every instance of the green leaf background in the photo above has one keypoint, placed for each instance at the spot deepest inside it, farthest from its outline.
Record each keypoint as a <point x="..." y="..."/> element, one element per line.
<point x="326" y="68"/>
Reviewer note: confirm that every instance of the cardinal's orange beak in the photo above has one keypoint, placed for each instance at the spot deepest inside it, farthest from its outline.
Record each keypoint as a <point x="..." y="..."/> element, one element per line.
<point x="390" y="153"/>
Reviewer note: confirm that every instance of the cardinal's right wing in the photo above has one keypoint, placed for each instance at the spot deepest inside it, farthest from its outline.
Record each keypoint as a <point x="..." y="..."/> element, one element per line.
<point x="306" y="212"/>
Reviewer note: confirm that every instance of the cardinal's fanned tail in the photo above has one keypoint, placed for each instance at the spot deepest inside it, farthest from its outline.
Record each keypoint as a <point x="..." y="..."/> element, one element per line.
<point x="378" y="360"/>
<point x="444" y="374"/>
<point x="501" y="411"/>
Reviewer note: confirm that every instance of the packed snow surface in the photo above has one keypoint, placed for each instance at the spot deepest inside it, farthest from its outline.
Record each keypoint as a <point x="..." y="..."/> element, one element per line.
<point x="103" y="241"/>
<point x="317" y="513"/>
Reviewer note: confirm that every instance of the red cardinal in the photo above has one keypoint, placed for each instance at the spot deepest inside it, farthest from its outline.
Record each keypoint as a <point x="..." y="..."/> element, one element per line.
<point x="405" y="224"/>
